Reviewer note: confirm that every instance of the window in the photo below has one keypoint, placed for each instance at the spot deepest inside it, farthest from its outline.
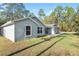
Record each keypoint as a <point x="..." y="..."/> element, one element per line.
<point x="28" y="30"/>
<point x="39" y="30"/>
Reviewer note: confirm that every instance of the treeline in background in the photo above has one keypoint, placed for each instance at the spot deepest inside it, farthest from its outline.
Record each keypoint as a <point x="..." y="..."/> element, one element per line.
<point x="67" y="17"/>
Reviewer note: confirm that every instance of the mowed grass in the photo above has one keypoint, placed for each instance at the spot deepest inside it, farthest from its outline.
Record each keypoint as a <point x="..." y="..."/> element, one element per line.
<point x="68" y="44"/>
<point x="33" y="51"/>
<point x="66" y="47"/>
<point x="7" y="47"/>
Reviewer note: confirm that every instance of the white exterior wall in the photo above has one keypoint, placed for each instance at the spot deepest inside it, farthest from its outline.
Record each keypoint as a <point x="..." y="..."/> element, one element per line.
<point x="9" y="32"/>
<point x="52" y="30"/>
<point x="55" y="30"/>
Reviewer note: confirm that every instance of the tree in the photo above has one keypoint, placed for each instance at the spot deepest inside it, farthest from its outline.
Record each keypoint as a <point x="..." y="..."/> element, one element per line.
<point x="69" y="17"/>
<point x="50" y="19"/>
<point x="41" y="14"/>
<point x="76" y="26"/>
<point x="58" y="13"/>
<point x="66" y="18"/>
<point x="13" y="11"/>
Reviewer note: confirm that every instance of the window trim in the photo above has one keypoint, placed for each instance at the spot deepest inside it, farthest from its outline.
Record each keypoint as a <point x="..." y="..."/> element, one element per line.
<point x="30" y="31"/>
<point x="40" y="30"/>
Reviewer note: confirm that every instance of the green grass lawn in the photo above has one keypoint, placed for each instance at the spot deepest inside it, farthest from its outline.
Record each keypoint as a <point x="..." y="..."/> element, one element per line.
<point x="68" y="45"/>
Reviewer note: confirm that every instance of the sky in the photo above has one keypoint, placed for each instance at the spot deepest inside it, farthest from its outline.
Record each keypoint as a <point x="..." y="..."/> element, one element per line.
<point x="48" y="7"/>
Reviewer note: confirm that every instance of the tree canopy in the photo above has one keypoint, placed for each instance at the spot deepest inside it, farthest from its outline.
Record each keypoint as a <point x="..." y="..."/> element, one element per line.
<point x="66" y="17"/>
<point x="13" y="11"/>
<point x="41" y="14"/>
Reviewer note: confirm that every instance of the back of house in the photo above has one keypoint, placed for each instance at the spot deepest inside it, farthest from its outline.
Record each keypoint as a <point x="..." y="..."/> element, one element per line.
<point x="23" y="28"/>
<point x="28" y="28"/>
<point x="0" y="31"/>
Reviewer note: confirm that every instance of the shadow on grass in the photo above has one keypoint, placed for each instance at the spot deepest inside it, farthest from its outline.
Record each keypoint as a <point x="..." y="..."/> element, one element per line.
<point x="76" y="34"/>
<point x="62" y="35"/>
<point x="31" y="46"/>
<point x="50" y="46"/>
<point x="51" y="37"/>
<point x="36" y="44"/>
<point x="75" y="45"/>
<point x="25" y="48"/>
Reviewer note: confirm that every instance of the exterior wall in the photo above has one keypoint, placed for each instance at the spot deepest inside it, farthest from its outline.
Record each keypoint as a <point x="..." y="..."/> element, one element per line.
<point x="55" y="30"/>
<point x="20" y="29"/>
<point x="0" y="31"/>
<point x="48" y="31"/>
<point x="9" y="32"/>
<point x="40" y="25"/>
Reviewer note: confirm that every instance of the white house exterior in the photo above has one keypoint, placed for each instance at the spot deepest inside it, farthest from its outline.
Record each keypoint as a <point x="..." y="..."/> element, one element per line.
<point x="55" y="29"/>
<point x="25" y="28"/>
<point x="9" y="32"/>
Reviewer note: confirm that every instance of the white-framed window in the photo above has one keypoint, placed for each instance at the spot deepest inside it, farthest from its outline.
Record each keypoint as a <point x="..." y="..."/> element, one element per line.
<point x="39" y="30"/>
<point x="28" y="30"/>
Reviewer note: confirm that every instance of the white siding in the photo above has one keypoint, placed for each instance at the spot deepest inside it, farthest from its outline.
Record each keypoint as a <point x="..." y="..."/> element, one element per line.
<point x="9" y="32"/>
<point x="55" y="30"/>
<point x="52" y="30"/>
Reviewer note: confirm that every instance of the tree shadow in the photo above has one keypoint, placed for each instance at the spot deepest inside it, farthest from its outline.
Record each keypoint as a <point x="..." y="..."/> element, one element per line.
<point x="76" y="34"/>
<point x="48" y="39"/>
<point x="49" y="47"/>
<point x="25" y="48"/>
<point x="30" y="46"/>
<point x="75" y="45"/>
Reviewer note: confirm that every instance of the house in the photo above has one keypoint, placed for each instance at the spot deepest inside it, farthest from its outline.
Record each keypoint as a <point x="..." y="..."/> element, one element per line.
<point x="0" y="31"/>
<point x="28" y="27"/>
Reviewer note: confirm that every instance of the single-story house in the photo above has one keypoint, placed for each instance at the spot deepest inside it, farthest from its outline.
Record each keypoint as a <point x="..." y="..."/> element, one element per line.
<point x="0" y="31"/>
<point x="28" y="27"/>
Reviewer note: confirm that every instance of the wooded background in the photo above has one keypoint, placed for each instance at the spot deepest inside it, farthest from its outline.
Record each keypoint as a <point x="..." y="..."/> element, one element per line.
<point x="67" y="17"/>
